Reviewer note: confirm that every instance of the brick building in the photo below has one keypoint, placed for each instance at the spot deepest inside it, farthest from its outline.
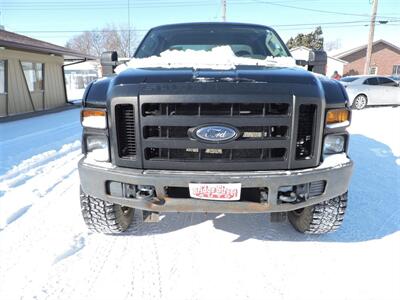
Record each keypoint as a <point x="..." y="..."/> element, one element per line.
<point x="385" y="59"/>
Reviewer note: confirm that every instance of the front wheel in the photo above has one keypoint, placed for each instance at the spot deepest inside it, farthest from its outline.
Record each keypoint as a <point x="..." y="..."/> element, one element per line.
<point x="105" y="217"/>
<point x="360" y="102"/>
<point x="320" y="218"/>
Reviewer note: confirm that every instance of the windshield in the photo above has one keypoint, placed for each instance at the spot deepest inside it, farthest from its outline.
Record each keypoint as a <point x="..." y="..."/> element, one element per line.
<point x="244" y="40"/>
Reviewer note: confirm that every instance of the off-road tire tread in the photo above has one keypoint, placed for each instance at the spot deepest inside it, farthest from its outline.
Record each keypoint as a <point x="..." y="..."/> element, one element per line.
<point x="102" y="216"/>
<point x="321" y="218"/>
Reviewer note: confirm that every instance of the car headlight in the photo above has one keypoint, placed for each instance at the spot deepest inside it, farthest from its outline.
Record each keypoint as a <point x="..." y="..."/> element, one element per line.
<point x="334" y="144"/>
<point x="94" y="118"/>
<point x="97" y="148"/>
<point x="336" y="118"/>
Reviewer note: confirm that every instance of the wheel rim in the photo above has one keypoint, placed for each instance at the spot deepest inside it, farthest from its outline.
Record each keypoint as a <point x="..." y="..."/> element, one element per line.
<point x="360" y="102"/>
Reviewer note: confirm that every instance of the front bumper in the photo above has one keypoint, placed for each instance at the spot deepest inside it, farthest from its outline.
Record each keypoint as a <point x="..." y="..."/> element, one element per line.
<point x="94" y="176"/>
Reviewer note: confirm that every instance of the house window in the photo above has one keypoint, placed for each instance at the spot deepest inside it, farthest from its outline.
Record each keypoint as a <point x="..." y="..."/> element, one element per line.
<point x="373" y="70"/>
<point x="3" y="84"/>
<point x="33" y="75"/>
<point x="396" y="70"/>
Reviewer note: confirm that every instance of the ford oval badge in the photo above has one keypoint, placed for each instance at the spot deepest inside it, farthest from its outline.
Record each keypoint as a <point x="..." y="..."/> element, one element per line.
<point x="216" y="133"/>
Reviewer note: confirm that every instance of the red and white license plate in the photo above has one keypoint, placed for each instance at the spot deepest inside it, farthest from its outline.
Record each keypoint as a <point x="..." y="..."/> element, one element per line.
<point x="215" y="191"/>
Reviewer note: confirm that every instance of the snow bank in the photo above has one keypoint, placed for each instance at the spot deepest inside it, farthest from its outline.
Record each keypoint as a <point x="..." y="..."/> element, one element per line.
<point x="219" y="58"/>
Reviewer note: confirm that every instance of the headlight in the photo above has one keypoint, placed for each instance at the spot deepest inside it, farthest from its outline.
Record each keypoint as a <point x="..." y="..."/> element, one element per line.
<point x="336" y="118"/>
<point x="334" y="144"/>
<point x="94" y="118"/>
<point x="97" y="147"/>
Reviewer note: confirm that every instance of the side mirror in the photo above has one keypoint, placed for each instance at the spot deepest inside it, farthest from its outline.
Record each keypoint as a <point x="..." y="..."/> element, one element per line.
<point x="317" y="61"/>
<point x="301" y="62"/>
<point x="108" y="61"/>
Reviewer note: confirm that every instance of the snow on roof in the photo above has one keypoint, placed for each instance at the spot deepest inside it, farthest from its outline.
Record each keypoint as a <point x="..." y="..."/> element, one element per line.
<point x="219" y="58"/>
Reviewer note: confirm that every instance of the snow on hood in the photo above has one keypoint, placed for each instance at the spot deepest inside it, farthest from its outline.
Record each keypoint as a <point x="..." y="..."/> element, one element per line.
<point x="219" y="58"/>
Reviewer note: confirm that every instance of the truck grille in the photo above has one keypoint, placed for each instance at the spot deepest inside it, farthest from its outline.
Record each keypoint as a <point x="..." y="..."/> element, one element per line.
<point x="214" y="109"/>
<point x="305" y="131"/>
<point x="126" y="135"/>
<point x="265" y="141"/>
<point x="210" y="154"/>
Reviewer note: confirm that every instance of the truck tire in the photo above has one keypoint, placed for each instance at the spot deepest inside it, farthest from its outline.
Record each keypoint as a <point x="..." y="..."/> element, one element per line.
<point x="105" y="217"/>
<point x="320" y="218"/>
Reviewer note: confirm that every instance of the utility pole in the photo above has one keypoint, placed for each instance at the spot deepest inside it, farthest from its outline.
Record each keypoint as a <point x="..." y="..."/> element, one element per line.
<point x="129" y="28"/>
<point x="223" y="10"/>
<point x="371" y="37"/>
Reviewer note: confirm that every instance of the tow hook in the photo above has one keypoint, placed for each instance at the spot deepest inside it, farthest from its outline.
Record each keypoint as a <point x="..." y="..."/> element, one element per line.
<point x="145" y="192"/>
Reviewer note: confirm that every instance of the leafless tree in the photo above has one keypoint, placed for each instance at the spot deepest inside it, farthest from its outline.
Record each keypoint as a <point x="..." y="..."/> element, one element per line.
<point x="111" y="37"/>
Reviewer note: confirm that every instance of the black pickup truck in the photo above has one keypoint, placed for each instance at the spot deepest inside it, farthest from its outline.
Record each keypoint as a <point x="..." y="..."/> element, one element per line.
<point x="249" y="139"/>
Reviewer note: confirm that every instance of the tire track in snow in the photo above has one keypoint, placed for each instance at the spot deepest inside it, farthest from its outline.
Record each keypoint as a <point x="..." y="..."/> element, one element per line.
<point x="32" y="239"/>
<point x="34" y="166"/>
<point x="47" y="178"/>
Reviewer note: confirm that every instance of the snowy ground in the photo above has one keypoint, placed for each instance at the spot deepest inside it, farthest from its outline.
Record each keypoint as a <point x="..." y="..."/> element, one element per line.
<point x="46" y="251"/>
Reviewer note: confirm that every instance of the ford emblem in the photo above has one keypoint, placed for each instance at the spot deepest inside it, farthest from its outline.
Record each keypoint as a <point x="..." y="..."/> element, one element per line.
<point x="216" y="133"/>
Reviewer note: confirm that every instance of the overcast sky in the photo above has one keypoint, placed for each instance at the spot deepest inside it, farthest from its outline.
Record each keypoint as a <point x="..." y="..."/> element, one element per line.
<point x="58" y="20"/>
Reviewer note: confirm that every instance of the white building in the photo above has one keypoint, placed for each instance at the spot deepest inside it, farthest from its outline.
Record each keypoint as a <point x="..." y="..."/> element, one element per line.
<point x="78" y="76"/>
<point x="333" y="64"/>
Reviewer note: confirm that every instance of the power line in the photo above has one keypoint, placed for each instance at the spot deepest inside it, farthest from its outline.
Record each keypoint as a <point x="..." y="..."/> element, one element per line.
<point x="102" y="5"/>
<point x="21" y="6"/>
<point x="317" y="10"/>
<point x="284" y="28"/>
<point x="348" y="23"/>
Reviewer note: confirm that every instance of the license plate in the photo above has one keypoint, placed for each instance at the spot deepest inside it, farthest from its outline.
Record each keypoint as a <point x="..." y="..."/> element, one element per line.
<point x="215" y="191"/>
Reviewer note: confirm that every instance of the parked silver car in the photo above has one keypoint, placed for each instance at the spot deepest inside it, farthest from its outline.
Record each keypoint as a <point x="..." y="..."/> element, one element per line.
<point x="371" y="90"/>
<point x="395" y="78"/>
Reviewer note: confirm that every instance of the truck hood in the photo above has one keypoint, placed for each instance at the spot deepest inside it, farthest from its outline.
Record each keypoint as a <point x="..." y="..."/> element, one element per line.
<point x="289" y="81"/>
<point x="240" y="74"/>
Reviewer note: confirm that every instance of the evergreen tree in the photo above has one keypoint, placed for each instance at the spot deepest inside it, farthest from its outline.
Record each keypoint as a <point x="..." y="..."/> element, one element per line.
<point x="313" y="40"/>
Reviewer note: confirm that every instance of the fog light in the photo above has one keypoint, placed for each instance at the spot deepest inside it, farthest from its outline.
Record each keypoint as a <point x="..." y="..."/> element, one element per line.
<point x="97" y="148"/>
<point x="334" y="144"/>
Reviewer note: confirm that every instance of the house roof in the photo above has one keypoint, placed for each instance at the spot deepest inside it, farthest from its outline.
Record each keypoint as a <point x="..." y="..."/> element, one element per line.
<point x="13" y="40"/>
<point x="353" y="50"/>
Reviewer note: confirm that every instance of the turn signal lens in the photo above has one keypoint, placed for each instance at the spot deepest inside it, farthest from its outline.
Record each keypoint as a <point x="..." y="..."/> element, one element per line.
<point x="94" y="118"/>
<point x="338" y="118"/>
